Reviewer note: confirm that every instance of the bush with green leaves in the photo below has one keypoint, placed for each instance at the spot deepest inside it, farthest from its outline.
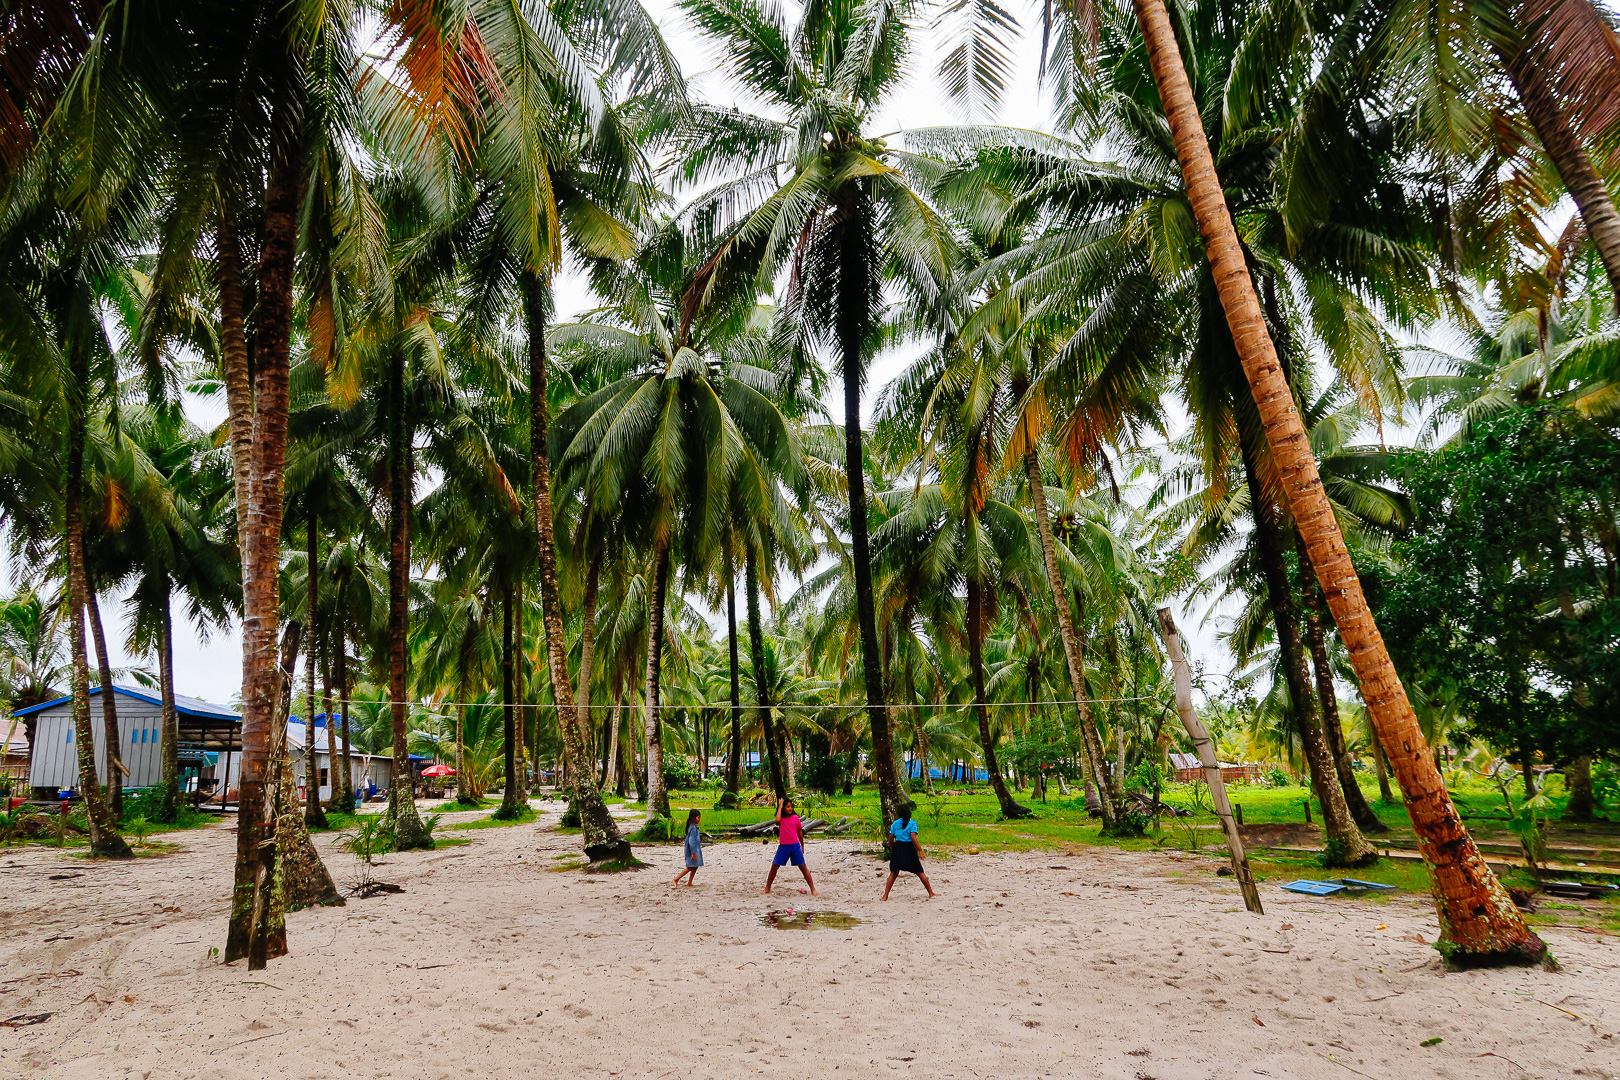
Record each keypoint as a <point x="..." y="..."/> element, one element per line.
<point x="681" y="772"/>
<point x="148" y="803"/>
<point x="657" y="830"/>
<point x="825" y="772"/>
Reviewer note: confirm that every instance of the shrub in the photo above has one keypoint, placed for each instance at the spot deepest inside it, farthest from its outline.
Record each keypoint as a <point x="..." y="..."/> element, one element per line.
<point x="681" y="771"/>
<point x="655" y="831"/>
<point x="147" y="803"/>
<point x="825" y="772"/>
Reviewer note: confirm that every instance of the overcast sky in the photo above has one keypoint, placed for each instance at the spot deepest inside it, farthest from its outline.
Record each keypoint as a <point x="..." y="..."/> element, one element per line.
<point x="212" y="669"/>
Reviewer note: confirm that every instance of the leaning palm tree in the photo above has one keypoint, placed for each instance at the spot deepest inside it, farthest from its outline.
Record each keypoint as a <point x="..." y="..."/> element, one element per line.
<point x="815" y="190"/>
<point x="1478" y="920"/>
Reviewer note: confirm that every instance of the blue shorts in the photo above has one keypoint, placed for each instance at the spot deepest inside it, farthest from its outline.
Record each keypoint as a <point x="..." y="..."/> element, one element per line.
<point x="787" y="854"/>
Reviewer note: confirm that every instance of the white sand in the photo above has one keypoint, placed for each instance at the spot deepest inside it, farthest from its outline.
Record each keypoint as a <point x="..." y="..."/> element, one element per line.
<point x="1081" y="964"/>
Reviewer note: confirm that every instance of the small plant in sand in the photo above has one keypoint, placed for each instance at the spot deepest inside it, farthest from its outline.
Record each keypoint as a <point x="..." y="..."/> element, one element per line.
<point x="140" y="828"/>
<point x="373" y="835"/>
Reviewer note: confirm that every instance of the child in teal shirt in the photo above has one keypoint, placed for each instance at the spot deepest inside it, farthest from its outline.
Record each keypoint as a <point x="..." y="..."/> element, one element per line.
<point x="904" y="851"/>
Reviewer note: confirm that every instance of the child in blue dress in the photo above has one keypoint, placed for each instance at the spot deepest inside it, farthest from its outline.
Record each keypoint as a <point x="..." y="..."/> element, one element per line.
<point x="904" y="851"/>
<point x="693" y="849"/>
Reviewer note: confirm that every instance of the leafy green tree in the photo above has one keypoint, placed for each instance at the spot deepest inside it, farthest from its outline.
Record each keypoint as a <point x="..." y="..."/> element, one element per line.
<point x="1507" y="592"/>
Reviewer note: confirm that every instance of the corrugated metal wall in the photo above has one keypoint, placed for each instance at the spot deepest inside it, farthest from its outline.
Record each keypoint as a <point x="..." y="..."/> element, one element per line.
<point x="56" y="763"/>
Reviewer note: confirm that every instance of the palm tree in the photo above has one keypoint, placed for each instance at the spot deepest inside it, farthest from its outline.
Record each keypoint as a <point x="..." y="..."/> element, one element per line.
<point x="846" y="211"/>
<point x="1477" y="918"/>
<point x="938" y="535"/>
<point x="664" y="445"/>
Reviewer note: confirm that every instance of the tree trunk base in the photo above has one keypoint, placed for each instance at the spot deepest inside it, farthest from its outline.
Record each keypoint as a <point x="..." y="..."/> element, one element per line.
<point x="1012" y="810"/>
<point x="1367" y="821"/>
<point x="1336" y="856"/>
<point x="728" y="801"/>
<point x="409" y="833"/>
<point x="598" y="855"/>
<point x="1531" y="952"/>
<point x="111" y="846"/>
<point x="305" y="881"/>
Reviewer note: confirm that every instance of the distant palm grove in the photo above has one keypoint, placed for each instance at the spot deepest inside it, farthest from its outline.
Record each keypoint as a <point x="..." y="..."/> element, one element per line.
<point x="1301" y="311"/>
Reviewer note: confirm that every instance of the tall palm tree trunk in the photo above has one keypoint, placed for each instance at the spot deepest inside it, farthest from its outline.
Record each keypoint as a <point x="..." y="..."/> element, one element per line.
<point x="511" y="803"/>
<point x="1381" y="764"/>
<point x="299" y="878"/>
<point x="769" y="730"/>
<point x="314" y="814"/>
<point x="340" y="800"/>
<point x="111" y="736"/>
<point x="408" y="831"/>
<point x="657" y="795"/>
<point x="611" y="776"/>
<point x="1558" y="138"/>
<point x="1090" y="741"/>
<point x="857" y="302"/>
<point x="1478" y="920"/>
<point x="1345" y="844"/>
<point x="587" y="657"/>
<point x="520" y="709"/>
<point x="1010" y="807"/>
<point x="234" y="366"/>
<point x="339" y="641"/>
<point x="734" y="755"/>
<point x="464" y="794"/>
<point x="104" y="838"/>
<point x="602" y="839"/>
<point x="170" y="749"/>
<point x="256" y="930"/>
<point x="1332" y="727"/>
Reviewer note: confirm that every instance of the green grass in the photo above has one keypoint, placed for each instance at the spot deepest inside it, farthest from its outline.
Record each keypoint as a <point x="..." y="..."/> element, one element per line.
<point x="527" y="814"/>
<point x="338" y="821"/>
<point x="974" y="820"/>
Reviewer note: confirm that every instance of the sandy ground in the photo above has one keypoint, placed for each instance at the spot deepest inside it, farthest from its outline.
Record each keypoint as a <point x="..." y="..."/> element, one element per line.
<point x="493" y="964"/>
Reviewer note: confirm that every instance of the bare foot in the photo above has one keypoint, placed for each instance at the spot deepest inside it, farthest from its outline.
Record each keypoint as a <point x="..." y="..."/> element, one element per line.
<point x="689" y="884"/>
<point x="885" y="896"/>
<point x="812" y="892"/>
<point x="764" y="892"/>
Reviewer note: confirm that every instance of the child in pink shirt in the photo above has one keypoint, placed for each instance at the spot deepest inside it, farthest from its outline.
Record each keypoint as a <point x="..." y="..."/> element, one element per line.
<point x="789" y="846"/>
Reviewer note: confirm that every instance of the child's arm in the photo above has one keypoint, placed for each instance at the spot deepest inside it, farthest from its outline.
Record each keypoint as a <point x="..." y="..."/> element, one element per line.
<point x="779" y="804"/>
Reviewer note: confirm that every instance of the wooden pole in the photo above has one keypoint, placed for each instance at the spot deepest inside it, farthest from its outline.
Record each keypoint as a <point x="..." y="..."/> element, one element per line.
<point x="1205" y="748"/>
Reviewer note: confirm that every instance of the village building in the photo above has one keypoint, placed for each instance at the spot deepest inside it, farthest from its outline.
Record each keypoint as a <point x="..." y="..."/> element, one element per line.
<point x="371" y="771"/>
<point x="210" y="745"/>
<point x="210" y="748"/>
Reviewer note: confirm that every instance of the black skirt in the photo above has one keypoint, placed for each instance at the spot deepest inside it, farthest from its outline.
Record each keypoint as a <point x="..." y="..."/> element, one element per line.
<point x="903" y="858"/>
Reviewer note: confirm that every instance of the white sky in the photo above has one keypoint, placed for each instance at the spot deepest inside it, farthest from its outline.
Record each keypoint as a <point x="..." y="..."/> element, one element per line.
<point x="212" y="669"/>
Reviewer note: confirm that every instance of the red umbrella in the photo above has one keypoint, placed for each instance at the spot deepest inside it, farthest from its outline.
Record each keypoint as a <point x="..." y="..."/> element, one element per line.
<point x="438" y="770"/>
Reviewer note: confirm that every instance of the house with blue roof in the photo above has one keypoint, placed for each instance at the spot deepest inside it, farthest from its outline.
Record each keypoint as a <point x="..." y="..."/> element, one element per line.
<point x="210" y="741"/>
<point x="210" y="746"/>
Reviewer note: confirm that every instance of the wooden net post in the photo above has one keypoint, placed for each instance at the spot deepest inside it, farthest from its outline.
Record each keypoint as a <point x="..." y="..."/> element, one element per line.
<point x="1205" y="748"/>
